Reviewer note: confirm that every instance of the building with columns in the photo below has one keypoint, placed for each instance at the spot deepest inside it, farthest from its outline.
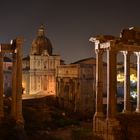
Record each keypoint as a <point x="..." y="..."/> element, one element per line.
<point x="39" y="68"/>
<point x="109" y="126"/>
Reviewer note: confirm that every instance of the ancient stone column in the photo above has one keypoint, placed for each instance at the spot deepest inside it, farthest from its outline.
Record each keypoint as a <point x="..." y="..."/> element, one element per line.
<point x="111" y="84"/>
<point x="99" y="84"/>
<point x="57" y="87"/>
<point x="19" y="42"/>
<point x="1" y="86"/>
<point x="138" y="82"/>
<point x="14" y="88"/>
<point x="127" y="106"/>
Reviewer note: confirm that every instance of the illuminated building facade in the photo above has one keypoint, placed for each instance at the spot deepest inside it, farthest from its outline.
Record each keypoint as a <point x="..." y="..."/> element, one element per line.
<point x="39" y="68"/>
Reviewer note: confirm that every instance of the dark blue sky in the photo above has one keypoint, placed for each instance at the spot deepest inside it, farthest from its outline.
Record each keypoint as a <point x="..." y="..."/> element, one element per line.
<point x="69" y="23"/>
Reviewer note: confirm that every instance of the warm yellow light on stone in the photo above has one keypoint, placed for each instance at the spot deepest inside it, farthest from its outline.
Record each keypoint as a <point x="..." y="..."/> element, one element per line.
<point x="133" y="78"/>
<point x="23" y="84"/>
<point x="120" y="78"/>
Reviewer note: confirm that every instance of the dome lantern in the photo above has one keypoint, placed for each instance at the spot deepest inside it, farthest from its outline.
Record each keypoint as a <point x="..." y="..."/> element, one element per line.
<point x="41" y="43"/>
<point x="41" y="31"/>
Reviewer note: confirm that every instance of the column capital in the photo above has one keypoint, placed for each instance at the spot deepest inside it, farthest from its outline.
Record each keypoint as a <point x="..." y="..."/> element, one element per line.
<point x="126" y="53"/>
<point x="99" y="51"/>
<point x="138" y="54"/>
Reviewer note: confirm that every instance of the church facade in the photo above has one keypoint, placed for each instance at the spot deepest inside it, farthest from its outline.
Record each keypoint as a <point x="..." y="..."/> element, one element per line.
<point x="39" y="68"/>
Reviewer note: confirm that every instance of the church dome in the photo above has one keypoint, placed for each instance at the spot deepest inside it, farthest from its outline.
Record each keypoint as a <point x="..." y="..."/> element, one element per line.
<point x="41" y="43"/>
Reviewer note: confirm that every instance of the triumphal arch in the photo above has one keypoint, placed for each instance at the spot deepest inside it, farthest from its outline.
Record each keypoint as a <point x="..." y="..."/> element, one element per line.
<point x="106" y="124"/>
<point x="14" y="48"/>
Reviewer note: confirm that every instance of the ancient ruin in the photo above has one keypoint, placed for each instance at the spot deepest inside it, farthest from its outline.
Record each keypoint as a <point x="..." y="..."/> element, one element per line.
<point x="14" y="48"/>
<point x="76" y="86"/>
<point x="108" y="126"/>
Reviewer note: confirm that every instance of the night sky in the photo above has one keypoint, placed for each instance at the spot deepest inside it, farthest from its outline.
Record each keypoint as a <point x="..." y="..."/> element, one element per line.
<point x="69" y="23"/>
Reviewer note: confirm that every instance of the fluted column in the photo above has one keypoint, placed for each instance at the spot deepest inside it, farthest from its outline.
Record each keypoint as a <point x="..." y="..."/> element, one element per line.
<point x="138" y="82"/>
<point x="99" y="83"/>
<point x="1" y="86"/>
<point x="127" y="106"/>
<point x="111" y="84"/>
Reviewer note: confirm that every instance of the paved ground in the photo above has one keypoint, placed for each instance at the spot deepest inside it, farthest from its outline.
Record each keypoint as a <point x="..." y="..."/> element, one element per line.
<point x="37" y="95"/>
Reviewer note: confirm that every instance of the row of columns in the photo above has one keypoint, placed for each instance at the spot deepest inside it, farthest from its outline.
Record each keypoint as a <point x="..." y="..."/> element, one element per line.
<point x="112" y="83"/>
<point x="16" y="106"/>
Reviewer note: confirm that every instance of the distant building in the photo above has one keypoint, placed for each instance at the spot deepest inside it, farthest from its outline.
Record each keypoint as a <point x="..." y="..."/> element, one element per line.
<point x="39" y="68"/>
<point x="76" y="85"/>
<point x="7" y="67"/>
